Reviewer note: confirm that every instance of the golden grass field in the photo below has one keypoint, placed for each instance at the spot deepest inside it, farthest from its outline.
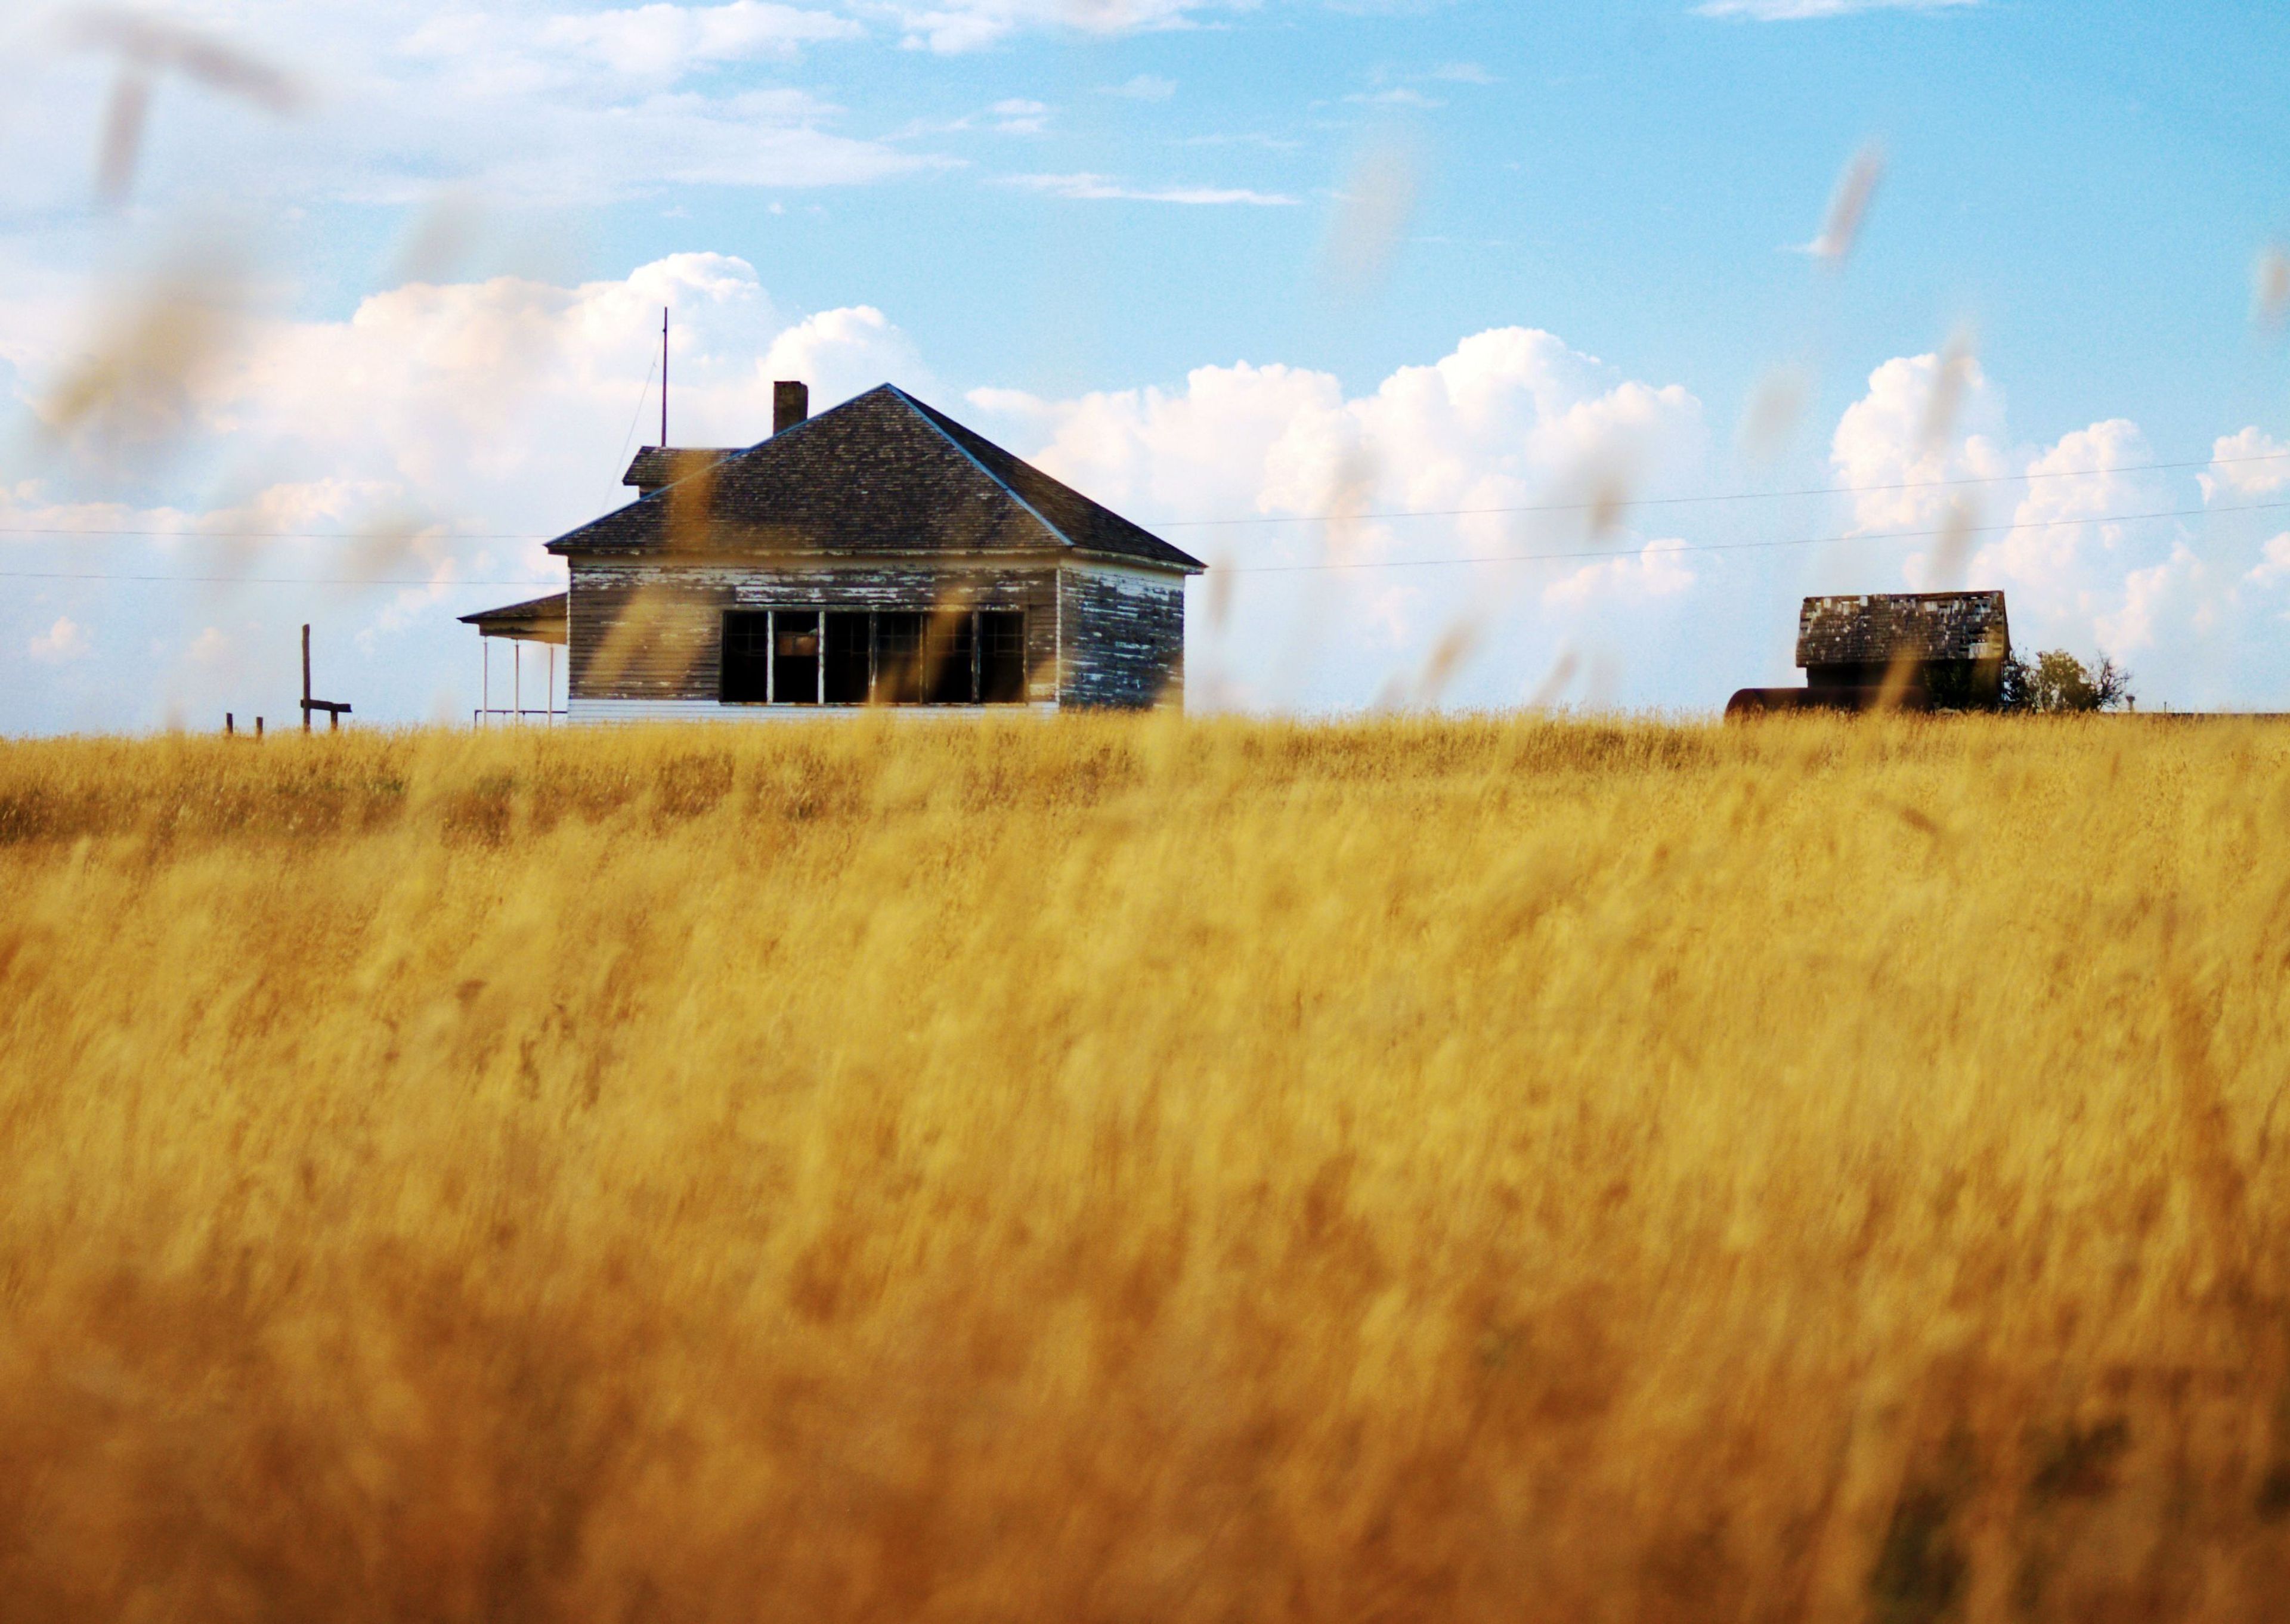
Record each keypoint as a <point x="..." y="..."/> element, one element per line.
<point x="1128" y="1169"/>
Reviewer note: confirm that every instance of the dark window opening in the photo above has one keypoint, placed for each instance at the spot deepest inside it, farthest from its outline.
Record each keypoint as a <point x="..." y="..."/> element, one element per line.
<point x="950" y="658"/>
<point x="1002" y="656"/>
<point x="795" y="657"/>
<point x="848" y="657"/>
<point x="852" y="657"/>
<point x="747" y="659"/>
<point x="899" y="659"/>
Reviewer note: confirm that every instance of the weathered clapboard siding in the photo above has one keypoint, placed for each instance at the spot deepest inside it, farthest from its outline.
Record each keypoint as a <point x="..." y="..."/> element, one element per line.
<point x="648" y="631"/>
<point x="1124" y="636"/>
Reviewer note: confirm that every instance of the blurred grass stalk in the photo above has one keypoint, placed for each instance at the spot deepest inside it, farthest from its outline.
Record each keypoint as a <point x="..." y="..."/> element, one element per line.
<point x="1133" y="1170"/>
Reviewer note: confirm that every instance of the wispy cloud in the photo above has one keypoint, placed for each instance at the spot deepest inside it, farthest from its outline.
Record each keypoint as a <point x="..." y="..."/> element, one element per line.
<point x="952" y="27"/>
<point x="1016" y="115"/>
<point x="1104" y="188"/>
<point x="1144" y="87"/>
<point x="1019" y="116"/>
<point x="1398" y="96"/>
<point x="669" y="41"/>
<point x="1246" y="137"/>
<point x="1793" y="10"/>
<point x="1394" y="89"/>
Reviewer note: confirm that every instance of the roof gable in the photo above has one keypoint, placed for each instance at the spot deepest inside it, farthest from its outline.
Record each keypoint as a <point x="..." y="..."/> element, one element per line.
<point x="880" y="475"/>
<point x="1873" y="629"/>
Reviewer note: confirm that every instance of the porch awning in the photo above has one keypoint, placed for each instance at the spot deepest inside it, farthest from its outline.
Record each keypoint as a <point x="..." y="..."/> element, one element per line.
<point x="540" y="619"/>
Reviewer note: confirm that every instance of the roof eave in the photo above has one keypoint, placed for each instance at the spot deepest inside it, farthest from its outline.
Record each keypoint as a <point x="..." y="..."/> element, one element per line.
<point x="1184" y="564"/>
<point x="726" y="556"/>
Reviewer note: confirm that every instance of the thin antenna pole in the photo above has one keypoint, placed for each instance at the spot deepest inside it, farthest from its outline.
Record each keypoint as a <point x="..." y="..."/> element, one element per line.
<point x="663" y="378"/>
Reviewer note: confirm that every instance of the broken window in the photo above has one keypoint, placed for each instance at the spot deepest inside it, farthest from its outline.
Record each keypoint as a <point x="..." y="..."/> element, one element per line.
<point x="747" y="659"/>
<point x="795" y="657"/>
<point x="849" y="654"/>
<point x="1002" y="656"/>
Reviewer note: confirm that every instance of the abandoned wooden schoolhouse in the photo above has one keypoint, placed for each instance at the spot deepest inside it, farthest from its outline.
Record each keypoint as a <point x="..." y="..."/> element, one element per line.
<point x="878" y="554"/>
<point x="1915" y="651"/>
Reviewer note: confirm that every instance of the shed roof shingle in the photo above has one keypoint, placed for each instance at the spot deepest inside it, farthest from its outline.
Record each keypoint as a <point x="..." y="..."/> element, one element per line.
<point x="880" y="474"/>
<point x="1876" y="628"/>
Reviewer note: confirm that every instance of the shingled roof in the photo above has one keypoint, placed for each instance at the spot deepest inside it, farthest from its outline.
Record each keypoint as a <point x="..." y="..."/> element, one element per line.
<point x="880" y="475"/>
<point x="655" y="465"/>
<point x="1877" y="628"/>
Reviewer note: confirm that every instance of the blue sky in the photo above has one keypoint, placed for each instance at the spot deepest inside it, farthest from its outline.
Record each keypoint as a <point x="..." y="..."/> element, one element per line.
<point x="1213" y="262"/>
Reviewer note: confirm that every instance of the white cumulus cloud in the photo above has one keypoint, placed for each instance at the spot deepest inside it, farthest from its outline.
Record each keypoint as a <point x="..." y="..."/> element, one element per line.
<point x="1916" y="438"/>
<point x="1656" y="569"/>
<point x="2098" y="549"/>
<point x="2273" y="565"/>
<point x="2251" y="463"/>
<point x="1390" y="526"/>
<point x="842" y="353"/>
<point x="2072" y="535"/>
<point x="65" y="640"/>
<point x="386" y="472"/>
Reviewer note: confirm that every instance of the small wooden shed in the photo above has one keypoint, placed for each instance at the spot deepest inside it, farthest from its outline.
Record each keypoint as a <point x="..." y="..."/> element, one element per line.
<point x="878" y="554"/>
<point x="1918" y="650"/>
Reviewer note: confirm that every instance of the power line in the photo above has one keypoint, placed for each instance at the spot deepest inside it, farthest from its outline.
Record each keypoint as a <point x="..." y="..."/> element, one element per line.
<point x="1737" y="547"/>
<point x="262" y="581"/>
<point x="278" y="535"/>
<point x="642" y="394"/>
<point x="1736" y="496"/>
<point x="1291" y="569"/>
<point x="1283" y="518"/>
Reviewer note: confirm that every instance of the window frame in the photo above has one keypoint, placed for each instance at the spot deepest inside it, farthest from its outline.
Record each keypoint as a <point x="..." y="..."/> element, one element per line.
<point x="742" y="621"/>
<point x="931" y="628"/>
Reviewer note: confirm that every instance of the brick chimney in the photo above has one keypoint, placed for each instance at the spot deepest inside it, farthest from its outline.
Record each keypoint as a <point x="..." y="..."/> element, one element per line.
<point x="791" y="406"/>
